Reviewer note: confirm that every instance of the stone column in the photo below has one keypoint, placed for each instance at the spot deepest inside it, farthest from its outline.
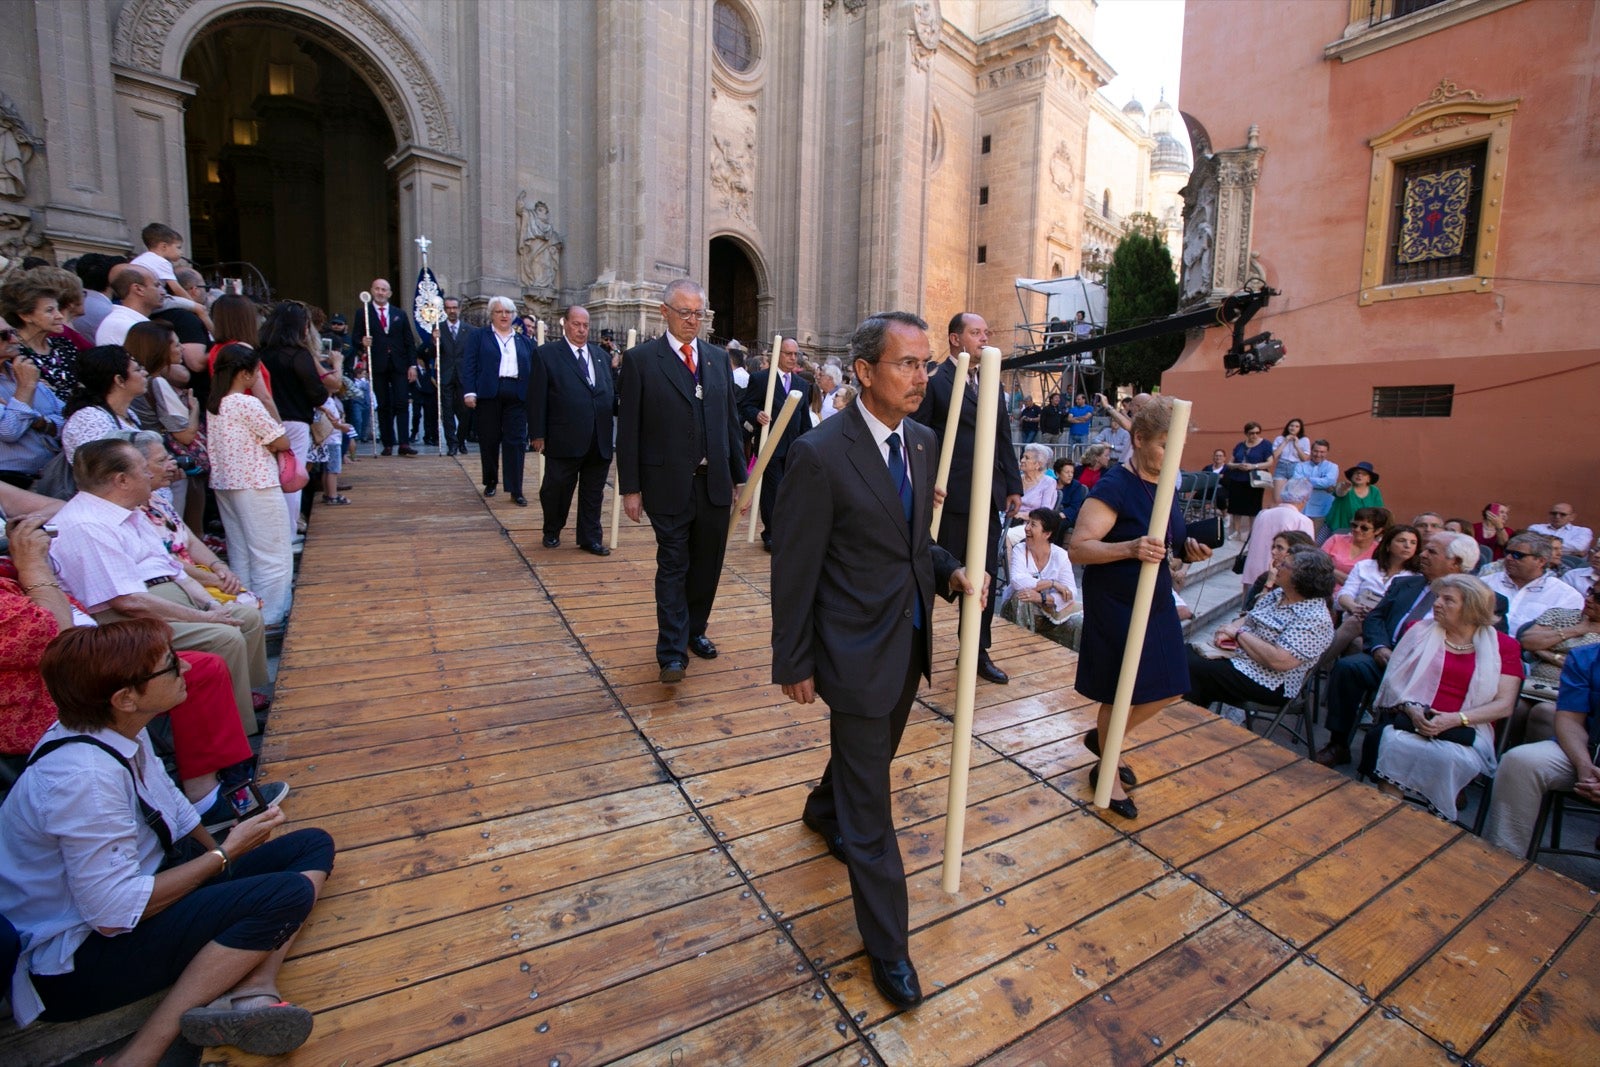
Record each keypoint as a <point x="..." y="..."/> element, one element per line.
<point x="430" y="203"/>
<point x="152" y="157"/>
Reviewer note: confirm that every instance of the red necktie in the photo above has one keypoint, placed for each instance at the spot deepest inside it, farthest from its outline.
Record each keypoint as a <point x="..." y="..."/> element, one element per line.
<point x="383" y="317"/>
<point x="688" y="356"/>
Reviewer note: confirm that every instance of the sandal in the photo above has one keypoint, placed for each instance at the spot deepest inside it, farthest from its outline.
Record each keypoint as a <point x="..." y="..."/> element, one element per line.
<point x="341" y="499"/>
<point x="267" y="1031"/>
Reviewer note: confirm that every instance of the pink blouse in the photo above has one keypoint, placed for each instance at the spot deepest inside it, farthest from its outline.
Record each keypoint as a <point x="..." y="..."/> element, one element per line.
<point x="237" y="436"/>
<point x="1341" y="546"/>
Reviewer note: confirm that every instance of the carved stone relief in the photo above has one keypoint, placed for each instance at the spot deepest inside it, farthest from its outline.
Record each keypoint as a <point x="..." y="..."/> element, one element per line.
<point x="733" y="160"/>
<point x="1061" y="173"/>
<point x="925" y="22"/>
<point x="1219" y="206"/>
<point x="1199" y="232"/>
<point x="18" y="144"/>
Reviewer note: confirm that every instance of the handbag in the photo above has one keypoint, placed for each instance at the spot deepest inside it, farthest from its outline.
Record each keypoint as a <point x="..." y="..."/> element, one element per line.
<point x="1209" y="532"/>
<point x="1261" y="479"/>
<point x="194" y="458"/>
<point x="1461" y="735"/>
<point x="292" y="476"/>
<point x="321" y="427"/>
<point x="56" y="479"/>
<point x="1244" y="549"/>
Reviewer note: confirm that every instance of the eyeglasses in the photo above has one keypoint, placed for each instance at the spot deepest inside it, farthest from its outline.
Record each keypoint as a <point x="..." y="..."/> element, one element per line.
<point x="174" y="667"/>
<point x="911" y="365"/>
<point x="1560" y="514"/>
<point x="696" y="314"/>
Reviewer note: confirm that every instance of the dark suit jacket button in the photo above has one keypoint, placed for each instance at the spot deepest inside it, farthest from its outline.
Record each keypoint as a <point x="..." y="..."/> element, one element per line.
<point x="906" y="613"/>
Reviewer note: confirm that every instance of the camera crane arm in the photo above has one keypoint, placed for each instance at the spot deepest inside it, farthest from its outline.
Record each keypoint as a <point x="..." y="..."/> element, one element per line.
<point x="1236" y="311"/>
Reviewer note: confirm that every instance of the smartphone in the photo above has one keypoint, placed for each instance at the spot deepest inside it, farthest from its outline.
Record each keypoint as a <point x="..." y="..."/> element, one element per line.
<point x="246" y="801"/>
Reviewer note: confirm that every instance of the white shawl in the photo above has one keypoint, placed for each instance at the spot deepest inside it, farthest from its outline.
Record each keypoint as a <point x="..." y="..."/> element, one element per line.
<point x="1417" y="664"/>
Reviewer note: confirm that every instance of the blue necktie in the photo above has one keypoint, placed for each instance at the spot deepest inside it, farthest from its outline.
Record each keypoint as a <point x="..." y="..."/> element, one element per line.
<point x="897" y="472"/>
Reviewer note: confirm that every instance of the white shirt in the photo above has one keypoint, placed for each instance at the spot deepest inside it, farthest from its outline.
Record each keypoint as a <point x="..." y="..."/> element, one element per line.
<point x="741" y="377"/>
<point x="581" y="357"/>
<point x="1533" y="599"/>
<point x="677" y="349"/>
<point x="75" y="853"/>
<point x="880" y="434"/>
<point x="508" y="354"/>
<point x="1575" y="539"/>
<point x="1368" y="581"/>
<point x="113" y="329"/>
<point x="1580" y="579"/>
<point x="105" y="551"/>
<point x="156" y="264"/>
<point x="1058" y="568"/>
<point x="828" y="410"/>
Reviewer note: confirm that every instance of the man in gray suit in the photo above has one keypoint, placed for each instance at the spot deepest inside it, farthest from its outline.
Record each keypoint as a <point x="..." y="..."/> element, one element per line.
<point x="854" y="572"/>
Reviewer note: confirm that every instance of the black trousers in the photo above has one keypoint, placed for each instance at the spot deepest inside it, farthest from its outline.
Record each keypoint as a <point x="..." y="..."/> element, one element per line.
<point x="953" y="538"/>
<point x="394" y="395"/>
<point x="562" y="475"/>
<point x="1211" y="680"/>
<point x="425" y="417"/>
<point x="455" y="413"/>
<point x="770" y="480"/>
<point x="1353" y="679"/>
<point x="854" y="799"/>
<point x="502" y="439"/>
<point x="690" y="543"/>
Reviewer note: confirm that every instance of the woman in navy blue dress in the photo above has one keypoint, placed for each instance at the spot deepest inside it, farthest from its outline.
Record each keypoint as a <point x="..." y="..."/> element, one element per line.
<point x="1110" y="542"/>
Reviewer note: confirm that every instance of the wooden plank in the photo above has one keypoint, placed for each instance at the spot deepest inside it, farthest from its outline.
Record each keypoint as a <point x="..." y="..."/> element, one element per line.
<point x="1292" y="1017"/>
<point x="1459" y="992"/>
<point x="1317" y="897"/>
<point x="1407" y="922"/>
<point x="1560" y="1017"/>
<point x="1384" y="1038"/>
<point x="1021" y="995"/>
<point x="562" y="719"/>
<point x="792" y="1026"/>
<point x="1158" y="1005"/>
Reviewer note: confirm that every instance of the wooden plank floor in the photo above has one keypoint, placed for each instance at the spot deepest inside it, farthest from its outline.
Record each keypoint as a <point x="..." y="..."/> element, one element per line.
<point x="547" y="857"/>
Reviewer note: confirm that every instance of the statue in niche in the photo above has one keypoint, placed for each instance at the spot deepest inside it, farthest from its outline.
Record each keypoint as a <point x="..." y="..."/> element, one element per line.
<point x="538" y="244"/>
<point x="1199" y="232"/>
<point x="17" y="145"/>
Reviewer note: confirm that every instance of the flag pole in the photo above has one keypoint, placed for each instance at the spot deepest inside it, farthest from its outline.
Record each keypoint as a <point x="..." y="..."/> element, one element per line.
<point x="976" y="564"/>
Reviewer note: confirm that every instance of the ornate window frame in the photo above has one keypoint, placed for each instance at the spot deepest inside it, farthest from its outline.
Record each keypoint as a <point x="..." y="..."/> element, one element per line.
<point x="758" y="45"/>
<point x="1449" y="117"/>
<point x="1373" y="26"/>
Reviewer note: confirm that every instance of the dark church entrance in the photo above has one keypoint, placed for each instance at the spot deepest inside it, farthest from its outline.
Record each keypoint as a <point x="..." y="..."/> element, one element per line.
<point x="287" y="181"/>
<point x="734" y="292"/>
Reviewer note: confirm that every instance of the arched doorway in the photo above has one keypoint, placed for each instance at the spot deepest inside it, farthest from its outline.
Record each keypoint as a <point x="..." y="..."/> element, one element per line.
<point x="286" y="164"/>
<point x="734" y="291"/>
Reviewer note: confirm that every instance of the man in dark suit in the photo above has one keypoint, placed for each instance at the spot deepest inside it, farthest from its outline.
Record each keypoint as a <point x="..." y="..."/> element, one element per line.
<point x="1355" y="678"/>
<point x="499" y="373"/>
<point x="385" y="333"/>
<point x="452" y="335"/>
<point x="854" y="573"/>
<point x="678" y="458"/>
<point x="969" y="333"/>
<point x="571" y="424"/>
<point x="751" y="413"/>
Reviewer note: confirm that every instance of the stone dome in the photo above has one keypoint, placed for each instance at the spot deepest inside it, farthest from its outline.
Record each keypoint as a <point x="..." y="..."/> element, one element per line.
<point x="1133" y="107"/>
<point x="1169" y="154"/>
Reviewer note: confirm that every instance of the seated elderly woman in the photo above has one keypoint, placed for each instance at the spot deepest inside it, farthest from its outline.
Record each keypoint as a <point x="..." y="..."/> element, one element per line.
<point x="118" y="890"/>
<point x="1097" y="459"/>
<point x="1039" y="490"/>
<point x="1282" y="544"/>
<point x="1071" y="493"/>
<point x="1273" y="647"/>
<point x="1044" y="594"/>
<point x="208" y="742"/>
<point x="1448" y="681"/>
<point x="199" y="562"/>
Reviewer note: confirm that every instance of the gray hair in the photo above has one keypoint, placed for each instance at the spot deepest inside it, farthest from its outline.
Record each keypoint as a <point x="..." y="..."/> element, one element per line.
<point x="1463" y="548"/>
<point x="502" y="302"/>
<point x="1298" y="491"/>
<point x="143" y="439"/>
<point x="1531" y="543"/>
<point x="682" y="285"/>
<point x="1043" y="453"/>
<point x="832" y="370"/>
<point x="1311" y="572"/>
<point x="872" y="336"/>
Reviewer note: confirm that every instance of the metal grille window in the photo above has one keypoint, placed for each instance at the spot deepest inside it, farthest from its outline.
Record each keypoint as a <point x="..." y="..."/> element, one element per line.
<point x="1464" y="261"/>
<point x="1413" y="401"/>
<point x="730" y="34"/>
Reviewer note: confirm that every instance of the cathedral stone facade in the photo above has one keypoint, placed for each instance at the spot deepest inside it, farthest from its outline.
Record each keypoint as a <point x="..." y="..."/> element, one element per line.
<point x="811" y="160"/>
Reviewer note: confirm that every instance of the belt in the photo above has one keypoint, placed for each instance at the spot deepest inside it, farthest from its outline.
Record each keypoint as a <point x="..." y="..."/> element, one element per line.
<point x="151" y="583"/>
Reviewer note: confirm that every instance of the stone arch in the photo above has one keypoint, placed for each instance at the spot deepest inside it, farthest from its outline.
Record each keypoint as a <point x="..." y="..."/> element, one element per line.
<point x="153" y="36"/>
<point x="730" y="322"/>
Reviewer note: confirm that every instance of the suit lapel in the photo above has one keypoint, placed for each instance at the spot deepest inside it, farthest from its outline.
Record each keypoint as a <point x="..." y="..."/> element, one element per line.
<point x="868" y="462"/>
<point x="674" y="370"/>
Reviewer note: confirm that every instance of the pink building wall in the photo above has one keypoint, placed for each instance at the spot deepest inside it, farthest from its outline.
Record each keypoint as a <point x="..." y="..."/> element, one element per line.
<point x="1523" y="358"/>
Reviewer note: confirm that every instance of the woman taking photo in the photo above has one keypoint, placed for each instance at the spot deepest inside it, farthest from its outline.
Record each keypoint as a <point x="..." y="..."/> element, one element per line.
<point x="116" y="904"/>
<point x="1396" y="554"/>
<point x="1111" y="543"/>
<point x="1044" y="594"/>
<point x="1271" y="649"/>
<point x="1357" y="489"/>
<point x="244" y="476"/>
<point x="109" y="382"/>
<point x="299" y="382"/>
<point x="1448" y="681"/>
<point x="1245" y="490"/>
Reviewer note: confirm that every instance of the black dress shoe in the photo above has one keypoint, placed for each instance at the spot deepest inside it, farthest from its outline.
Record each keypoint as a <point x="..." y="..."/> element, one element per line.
<point x="832" y="838"/>
<point x="520" y="501"/>
<point x="989" y="672"/>
<point x="672" y="671"/>
<point x="1124" y="807"/>
<point x="702" y="647"/>
<point x="1091" y="741"/>
<point x="407" y="450"/>
<point x="488" y="490"/>
<point x="388" y="452"/>
<point x="552" y="542"/>
<point x="595" y="550"/>
<point x="897" y="981"/>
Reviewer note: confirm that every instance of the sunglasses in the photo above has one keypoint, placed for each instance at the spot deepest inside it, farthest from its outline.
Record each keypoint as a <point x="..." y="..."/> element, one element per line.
<point x="1522" y="555"/>
<point x="174" y="667"/>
